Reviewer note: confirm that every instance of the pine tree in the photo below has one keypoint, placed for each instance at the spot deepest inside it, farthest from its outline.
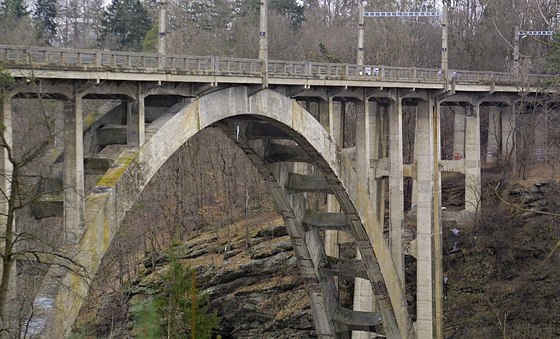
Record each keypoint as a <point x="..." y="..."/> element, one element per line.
<point x="124" y="25"/>
<point x="13" y="9"/>
<point x="45" y="17"/>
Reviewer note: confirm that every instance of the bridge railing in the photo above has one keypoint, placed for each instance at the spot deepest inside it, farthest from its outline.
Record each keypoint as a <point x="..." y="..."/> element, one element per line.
<point x="36" y="57"/>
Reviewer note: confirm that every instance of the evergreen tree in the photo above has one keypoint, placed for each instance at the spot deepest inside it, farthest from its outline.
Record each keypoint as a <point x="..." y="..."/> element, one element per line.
<point x="184" y="309"/>
<point x="45" y="18"/>
<point x="13" y="9"/>
<point x="124" y="25"/>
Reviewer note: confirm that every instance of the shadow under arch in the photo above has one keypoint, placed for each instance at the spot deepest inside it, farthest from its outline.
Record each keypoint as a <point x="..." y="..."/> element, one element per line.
<point x="229" y="109"/>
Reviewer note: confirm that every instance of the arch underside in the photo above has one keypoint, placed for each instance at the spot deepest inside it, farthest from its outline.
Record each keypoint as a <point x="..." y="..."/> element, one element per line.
<point x="275" y="133"/>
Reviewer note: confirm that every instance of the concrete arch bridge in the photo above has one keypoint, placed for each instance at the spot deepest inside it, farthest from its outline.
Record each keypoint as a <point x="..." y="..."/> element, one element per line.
<point x="287" y="122"/>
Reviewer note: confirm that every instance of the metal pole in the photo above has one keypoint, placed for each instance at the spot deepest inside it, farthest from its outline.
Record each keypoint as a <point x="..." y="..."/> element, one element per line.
<point x="162" y="27"/>
<point x="444" y="44"/>
<point x="516" y="63"/>
<point x="263" y="41"/>
<point x="360" y="57"/>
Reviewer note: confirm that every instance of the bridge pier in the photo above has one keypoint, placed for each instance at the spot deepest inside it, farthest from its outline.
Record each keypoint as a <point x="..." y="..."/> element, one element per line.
<point x="473" y="179"/>
<point x="7" y="218"/>
<point x="396" y="185"/>
<point x="428" y="221"/>
<point x="73" y="177"/>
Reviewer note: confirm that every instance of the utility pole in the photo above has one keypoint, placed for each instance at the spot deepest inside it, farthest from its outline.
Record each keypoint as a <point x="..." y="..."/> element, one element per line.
<point x="360" y="57"/>
<point x="162" y="26"/>
<point x="516" y="51"/>
<point x="520" y="35"/>
<point x="444" y="43"/>
<point x="263" y="40"/>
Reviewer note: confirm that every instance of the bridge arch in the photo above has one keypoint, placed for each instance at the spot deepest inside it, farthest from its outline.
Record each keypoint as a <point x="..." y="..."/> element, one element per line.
<point x="234" y="110"/>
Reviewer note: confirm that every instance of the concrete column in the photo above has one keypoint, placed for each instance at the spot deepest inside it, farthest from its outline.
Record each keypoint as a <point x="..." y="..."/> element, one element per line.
<point x="363" y="293"/>
<point x="378" y="136"/>
<point x="324" y="113"/>
<point x="73" y="170"/>
<point x="508" y="135"/>
<point x="135" y="121"/>
<point x="6" y="172"/>
<point x="459" y="133"/>
<point x="424" y="265"/>
<point x="335" y="124"/>
<point x="414" y="195"/>
<point x="396" y="186"/>
<point x="493" y="134"/>
<point x="473" y="181"/>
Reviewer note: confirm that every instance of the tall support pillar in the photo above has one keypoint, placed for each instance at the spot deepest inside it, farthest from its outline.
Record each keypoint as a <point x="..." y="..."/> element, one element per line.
<point x="437" y="227"/>
<point x="493" y="134"/>
<point x="7" y="219"/>
<point x="73" y="170"/>
<point x="508" y="136"/>
<point x="473" y="181"/>
<point x="336" y="111"/>
<point x="136" y="122"/>
<point x="364" y="299"/>
<point x="459" y="133"/>
<point x="396" y="185"/>
<point x="425" y="219"/>
<point x="379" y="128"/>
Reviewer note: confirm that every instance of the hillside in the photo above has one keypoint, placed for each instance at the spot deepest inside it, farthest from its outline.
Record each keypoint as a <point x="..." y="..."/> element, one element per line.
<point x="502" y="272"/>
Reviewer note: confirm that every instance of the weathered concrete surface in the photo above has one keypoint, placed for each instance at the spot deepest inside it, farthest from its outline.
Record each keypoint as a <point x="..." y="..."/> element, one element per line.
<point x="122" y="184"/>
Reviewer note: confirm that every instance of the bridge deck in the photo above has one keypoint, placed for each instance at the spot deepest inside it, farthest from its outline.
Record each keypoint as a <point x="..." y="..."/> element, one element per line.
<point x="53" y="63"/>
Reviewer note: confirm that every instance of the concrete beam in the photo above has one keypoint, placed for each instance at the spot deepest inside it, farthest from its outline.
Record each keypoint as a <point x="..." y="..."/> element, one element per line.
<point x="307" y="183"/>
<point x="97" y="164"/>
<point x="286" y="153"/>
<point x="348" y="320"/>
<point x="336" y="267"/>
<point x="112" y="134"/>
<point x="326" y="221"/>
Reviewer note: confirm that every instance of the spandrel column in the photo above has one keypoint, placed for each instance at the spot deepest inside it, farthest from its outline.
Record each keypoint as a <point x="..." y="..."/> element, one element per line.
<point x="73" y="170"/>
<point x="396" y="186"/>
<point x="136" y="122"/>
<point x="336" y="111"/>
<point x="364" y="299"/>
